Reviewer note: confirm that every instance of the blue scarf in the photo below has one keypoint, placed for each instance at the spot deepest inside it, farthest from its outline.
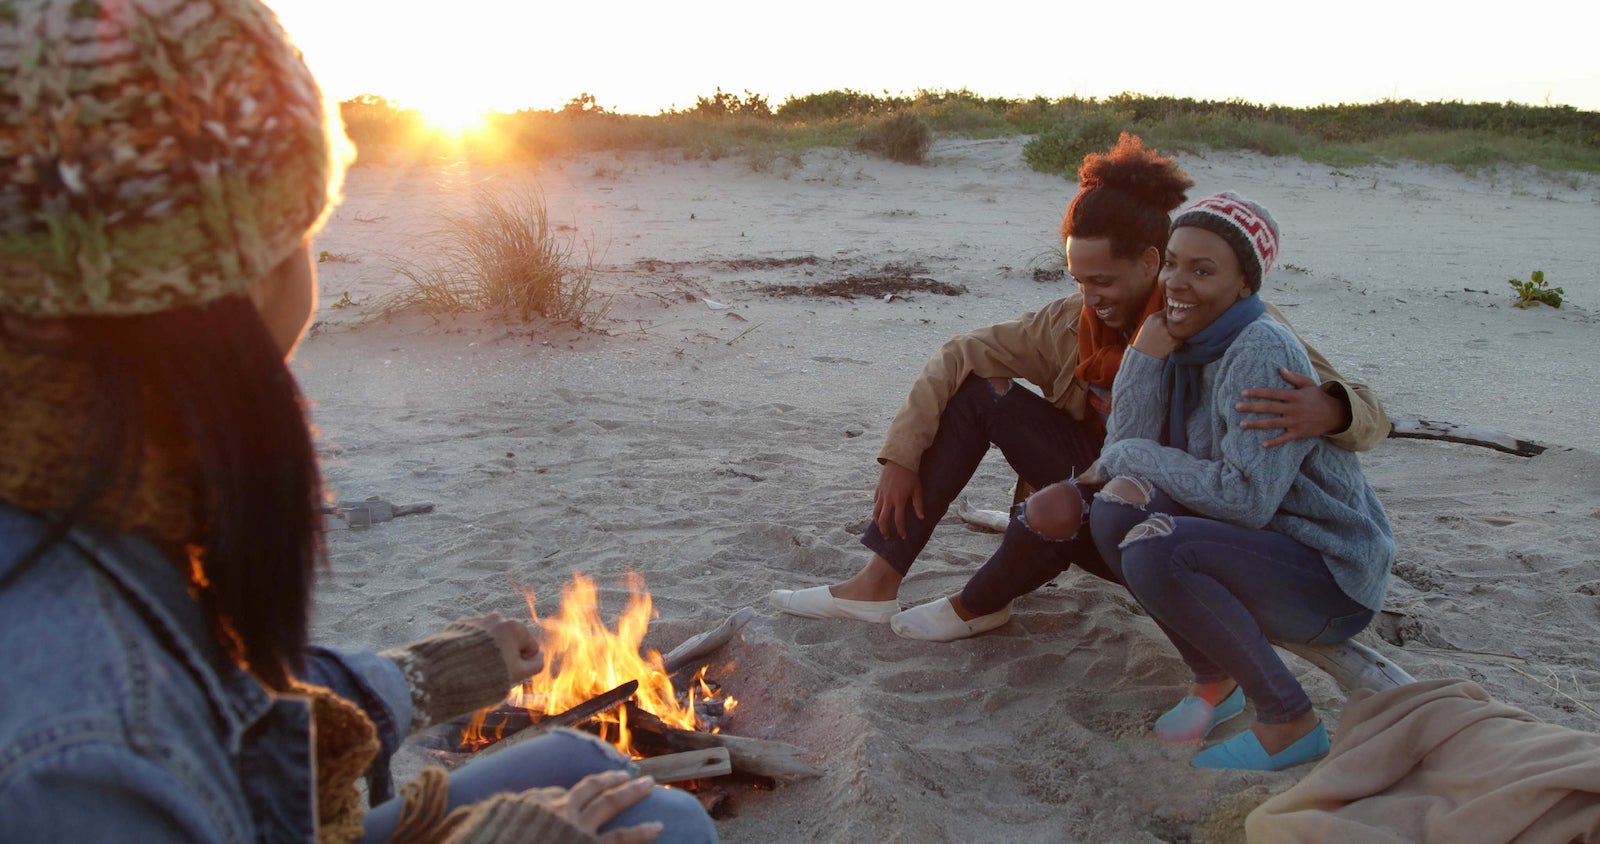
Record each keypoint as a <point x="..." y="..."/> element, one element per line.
<point x="1181" y="370"/>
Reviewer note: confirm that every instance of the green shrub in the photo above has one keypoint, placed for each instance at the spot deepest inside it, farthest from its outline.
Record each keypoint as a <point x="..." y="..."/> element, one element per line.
<point x="968" y="119"/>
<point x="904" y="137"/>
<point x="723" y="104"/>
<point x="500" y="255"/>
<point x="837" y="105"/>
<point x="1061" y="148"/>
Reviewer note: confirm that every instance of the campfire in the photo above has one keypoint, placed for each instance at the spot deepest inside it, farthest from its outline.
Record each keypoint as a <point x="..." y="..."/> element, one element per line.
<point x="585" y="660"/>
<point x="655" y="707"/>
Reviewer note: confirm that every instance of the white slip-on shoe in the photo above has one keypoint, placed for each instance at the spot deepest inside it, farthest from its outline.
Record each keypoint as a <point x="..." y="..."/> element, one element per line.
<point x="937" y="621"/>
<point x="818" y="602"/>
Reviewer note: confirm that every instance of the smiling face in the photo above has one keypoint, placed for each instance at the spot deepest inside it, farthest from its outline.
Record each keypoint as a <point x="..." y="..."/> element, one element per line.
<point x="1202" y="279"/>
<point x="1114" y="288"/>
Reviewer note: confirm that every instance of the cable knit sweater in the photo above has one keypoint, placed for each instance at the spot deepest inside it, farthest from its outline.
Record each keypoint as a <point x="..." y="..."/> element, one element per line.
<point x="1306" y="489"/>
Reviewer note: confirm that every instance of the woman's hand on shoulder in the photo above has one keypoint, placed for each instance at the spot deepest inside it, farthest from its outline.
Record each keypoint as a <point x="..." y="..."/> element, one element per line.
<point x="1153" y="338"/>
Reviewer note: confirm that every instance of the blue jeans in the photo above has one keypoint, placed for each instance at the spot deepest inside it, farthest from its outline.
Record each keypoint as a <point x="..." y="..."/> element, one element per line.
<point x="1042" y="443"/>
<point x="1223" y="593"/>
<point x="559" y="758"/>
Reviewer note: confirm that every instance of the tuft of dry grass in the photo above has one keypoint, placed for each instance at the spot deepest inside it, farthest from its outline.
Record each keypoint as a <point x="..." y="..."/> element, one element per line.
<point x="504" y="256"/>
<point x="904" y="137"/>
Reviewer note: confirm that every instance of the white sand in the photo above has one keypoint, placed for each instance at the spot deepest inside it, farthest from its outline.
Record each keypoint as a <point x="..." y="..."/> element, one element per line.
<point x="721" y="464"/>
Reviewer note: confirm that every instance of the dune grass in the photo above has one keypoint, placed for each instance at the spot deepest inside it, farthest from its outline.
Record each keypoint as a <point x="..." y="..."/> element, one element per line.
<point x="1471" y="137"/>
<point x="502" y="256"/>
<point x="904" y="137"/>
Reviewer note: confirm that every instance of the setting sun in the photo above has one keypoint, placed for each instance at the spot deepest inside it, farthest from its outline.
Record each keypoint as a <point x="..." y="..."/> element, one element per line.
<point x="453" y="116"/>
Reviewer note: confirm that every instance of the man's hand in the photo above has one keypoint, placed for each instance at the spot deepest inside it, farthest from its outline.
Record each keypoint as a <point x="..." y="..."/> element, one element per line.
<point x="518" y="646"/>
<point x="1153" y="338"/>
<point x="1304" y="412"/>
<point x="898" y="487"/>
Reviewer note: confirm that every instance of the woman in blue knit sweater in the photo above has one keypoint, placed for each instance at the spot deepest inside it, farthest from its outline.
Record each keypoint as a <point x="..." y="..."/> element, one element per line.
<point x="1228" y="544"/>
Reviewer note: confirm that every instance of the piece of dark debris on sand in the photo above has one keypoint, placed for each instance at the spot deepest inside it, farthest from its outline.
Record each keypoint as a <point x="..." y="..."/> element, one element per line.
<point x="873" y="286"/>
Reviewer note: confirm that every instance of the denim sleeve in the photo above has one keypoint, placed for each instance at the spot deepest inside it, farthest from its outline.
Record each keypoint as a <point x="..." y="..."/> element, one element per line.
<point x="375" y="684"/>
<point x="101" y="790"/>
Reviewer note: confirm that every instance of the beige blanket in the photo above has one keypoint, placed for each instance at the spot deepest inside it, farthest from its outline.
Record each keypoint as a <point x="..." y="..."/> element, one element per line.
<point x="1440" y="761"/>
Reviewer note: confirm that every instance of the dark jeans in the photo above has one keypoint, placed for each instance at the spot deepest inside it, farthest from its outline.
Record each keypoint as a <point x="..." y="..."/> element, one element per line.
<point x="1027" y="560"/>
<point x="1043" y="444"/>
<point x="1223" y="593"/>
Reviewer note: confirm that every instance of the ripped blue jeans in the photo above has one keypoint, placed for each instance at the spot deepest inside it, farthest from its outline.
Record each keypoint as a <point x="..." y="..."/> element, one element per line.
<point x="1223" y="593"/>
<point x="559" y="758"/>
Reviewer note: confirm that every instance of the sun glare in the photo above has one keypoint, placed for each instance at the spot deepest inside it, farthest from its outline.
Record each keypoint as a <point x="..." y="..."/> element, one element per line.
<point x="453" y="117"/>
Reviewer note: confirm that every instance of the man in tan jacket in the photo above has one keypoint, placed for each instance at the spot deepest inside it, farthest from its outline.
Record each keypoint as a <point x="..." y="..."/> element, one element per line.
<point x="964" y="400"/>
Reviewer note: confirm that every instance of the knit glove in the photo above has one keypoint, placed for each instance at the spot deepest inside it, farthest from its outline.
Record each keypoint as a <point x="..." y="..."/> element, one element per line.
<point x="523" y="816"/>
<point x="453" y="672"/>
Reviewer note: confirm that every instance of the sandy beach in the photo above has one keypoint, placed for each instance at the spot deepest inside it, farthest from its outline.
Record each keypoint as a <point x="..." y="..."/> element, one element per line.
<point x="724" y="451"/>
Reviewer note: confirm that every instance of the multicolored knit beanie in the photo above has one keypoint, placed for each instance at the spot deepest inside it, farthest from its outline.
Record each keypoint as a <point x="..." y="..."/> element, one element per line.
<point x="153" y="153"/>
<point x="1245" y="225"/>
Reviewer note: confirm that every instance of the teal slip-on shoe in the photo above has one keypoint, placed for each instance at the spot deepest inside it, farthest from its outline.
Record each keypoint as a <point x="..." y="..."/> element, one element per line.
<point x="1244" y="752"/>
<point x="1193" y="719"/>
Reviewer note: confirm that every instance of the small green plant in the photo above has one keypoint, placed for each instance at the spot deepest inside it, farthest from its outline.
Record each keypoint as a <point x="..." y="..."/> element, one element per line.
<point x="1535" y="291"/>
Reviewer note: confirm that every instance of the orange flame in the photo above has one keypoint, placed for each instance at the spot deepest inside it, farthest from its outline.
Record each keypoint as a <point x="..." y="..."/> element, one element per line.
<point x="584" y="658"/>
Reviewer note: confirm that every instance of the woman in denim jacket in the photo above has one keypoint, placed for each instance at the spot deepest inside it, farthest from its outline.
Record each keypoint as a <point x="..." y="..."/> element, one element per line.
<point x="162" y="166"/>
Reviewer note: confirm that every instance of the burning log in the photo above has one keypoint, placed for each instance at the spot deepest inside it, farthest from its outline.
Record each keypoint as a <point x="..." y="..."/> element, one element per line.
<point x="507" y="720"/>
<point x="572" y="717"/>
<point x="747" y="755"/>
<point x="688" y="765"/>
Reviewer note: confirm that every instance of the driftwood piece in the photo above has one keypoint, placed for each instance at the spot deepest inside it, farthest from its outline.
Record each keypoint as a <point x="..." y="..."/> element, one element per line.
<point x="775" y="759"/>
<point x="707" y="643"/>
<point x="1352" y="665"/>
<point x="993" y="521"/>
<point x="1427" y="429"/>
<point x="361" y="514"/>
<point x="572" y="717"/>
<point x="688" y="765"/>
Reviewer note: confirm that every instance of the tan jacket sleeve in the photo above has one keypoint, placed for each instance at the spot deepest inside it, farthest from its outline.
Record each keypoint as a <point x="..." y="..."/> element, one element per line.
<point x="1040" y="347"/>
<point x="1369" y="423"/>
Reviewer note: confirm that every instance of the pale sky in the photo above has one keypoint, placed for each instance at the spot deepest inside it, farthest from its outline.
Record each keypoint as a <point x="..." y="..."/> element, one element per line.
<point x="644" y="58"/>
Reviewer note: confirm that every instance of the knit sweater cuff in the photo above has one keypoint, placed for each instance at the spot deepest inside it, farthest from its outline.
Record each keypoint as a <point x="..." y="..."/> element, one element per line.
<point x="524" y="816"/>
<point x="451" y="673"/>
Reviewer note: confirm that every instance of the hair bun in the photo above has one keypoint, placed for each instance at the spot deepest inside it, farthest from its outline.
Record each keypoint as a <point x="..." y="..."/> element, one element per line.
<point x="1146" y="175"/>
